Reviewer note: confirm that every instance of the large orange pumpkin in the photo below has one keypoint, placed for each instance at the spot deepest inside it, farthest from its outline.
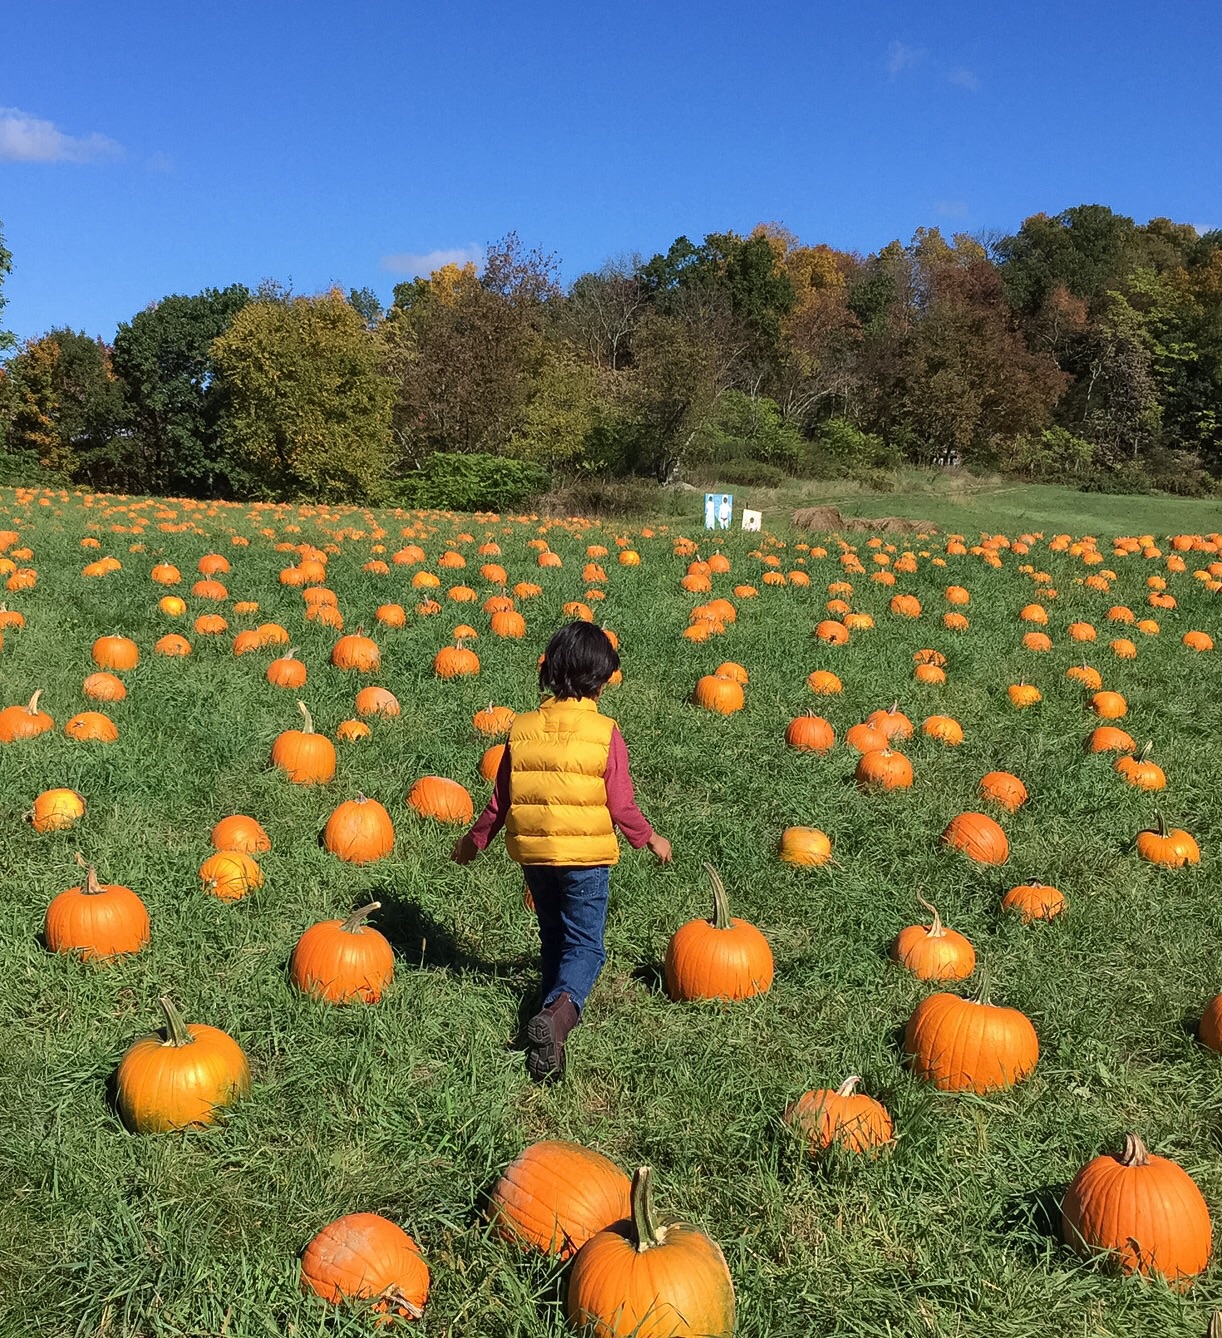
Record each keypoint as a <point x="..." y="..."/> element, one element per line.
<point x="967" y="1045"/>
<point x="978" y="837"/>
<point x="648" y="1278"/>
<point x="359" y="831"/>
<point x="97" y="920"/>
<point x="364" y="1256"/>
<point x="1144" y="1213"/>
<point x="356" y="652"/>
<point x="115" y="652"/>
<point x="343" y="961"/>
<point x="180" y="1079"/>
<point x="305" y="757"/>
<point x="717" y="958"/>
<point x="24" y="722"/>
<point x="556" y="1195"/>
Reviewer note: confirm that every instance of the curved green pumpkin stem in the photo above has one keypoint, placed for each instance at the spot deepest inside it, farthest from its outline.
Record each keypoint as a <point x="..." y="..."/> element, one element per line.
<point x="644" y="1225"/>
<point x="306" y="716"/>
<point x="355" y="922"/>
<point x="721" y="903"/>
<point x="984" y="995"/>
<point x="1144" y="755"/>
<point x="937" y="929"/>
<point x="175" y="1028"/>
<point x="1135" y="1152"/>
<point x="1160" y="823"/>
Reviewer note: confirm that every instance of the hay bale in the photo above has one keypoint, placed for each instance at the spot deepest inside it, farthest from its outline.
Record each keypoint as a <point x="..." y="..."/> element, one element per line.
<point x="828" y="520"/>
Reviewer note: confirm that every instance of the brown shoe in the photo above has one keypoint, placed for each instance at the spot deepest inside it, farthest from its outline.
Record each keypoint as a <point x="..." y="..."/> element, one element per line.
<point x="546" y="1034"/>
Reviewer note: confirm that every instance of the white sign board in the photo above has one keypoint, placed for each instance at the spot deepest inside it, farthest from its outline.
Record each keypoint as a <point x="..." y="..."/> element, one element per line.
<point x="718" y="510"/>
<point x="751" y="519"/>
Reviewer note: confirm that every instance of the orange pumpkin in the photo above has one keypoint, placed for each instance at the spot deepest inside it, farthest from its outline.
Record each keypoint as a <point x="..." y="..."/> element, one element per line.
<point x="810" y="733"/>
<point x="1005" y="789"/>
<point x="490" y="763"/>
<point x="96" y="920"/>
<point x="844" y="1117"/>
<point x="356" y="652"/>
<point x="91" y="727"/>
<point x="24" y="722"/>
<point x="883" y="769"/>
<point x="376" y="701"/>
<point x="978" y="837"/>
<point x="359" y="831"/>
<point x="1034" y="901"/>
<point x="343" y="961"/>
<point x="305" y="757"/>
<point x="805" y="846"/>
<point x="56" y="810"/>
<point x="115" y="652"/>
<point x="364" y="1256"/>
<point x="721" y="695"/>
<point x="455" y="662"/>
<point x="441" y="799"/>
<point x="717" y="958"/>
<point x="934" y="952"/>
<point x="968" y="1045"/>
<point x="286" y="671"/>
<point x="240" y="832"/>
<point x="493" y="721"/>
<point x="230" y="875"/>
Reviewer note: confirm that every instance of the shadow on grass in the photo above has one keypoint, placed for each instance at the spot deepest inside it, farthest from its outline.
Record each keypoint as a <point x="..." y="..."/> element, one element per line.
<point x="423" y="942"/>
<point x="651" y="976"/>
<point x="1032" y="1219"/>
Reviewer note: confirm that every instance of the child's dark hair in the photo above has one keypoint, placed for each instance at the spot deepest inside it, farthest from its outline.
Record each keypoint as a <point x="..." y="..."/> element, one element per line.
<point x="578" y="661"/>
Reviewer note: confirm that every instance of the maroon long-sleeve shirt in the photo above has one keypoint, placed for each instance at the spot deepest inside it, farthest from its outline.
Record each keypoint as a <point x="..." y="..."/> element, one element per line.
<point x="620" y="800"/>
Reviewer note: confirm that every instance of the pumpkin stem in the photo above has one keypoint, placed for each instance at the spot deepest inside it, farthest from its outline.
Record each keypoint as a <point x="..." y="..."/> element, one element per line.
<point x="353" y="924"/>
<point x="32" y="708"/>
<point x="1144" y="755"/>
<point x="895" y="706"/>
<point x="1160" y="824"/>
<point x="175" y="1028"/>
<point x="721" y="903"/>
<point x="985" y="994"/>
<point x="1135" y="1152"/>
<point x="644" y="1226"/>
<point x="290" y="653"/>
<point x="937" y="929"/>
<point x="92" y="886"/>
<point x="307" y="717"/>
<point x="849" y="1086"/>
<point x="1215" y="1325"/>
<point x="400" y="1302"/>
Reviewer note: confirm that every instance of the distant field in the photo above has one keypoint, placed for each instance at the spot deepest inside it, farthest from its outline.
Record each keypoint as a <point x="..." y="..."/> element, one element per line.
<point x="411" y="1107"/>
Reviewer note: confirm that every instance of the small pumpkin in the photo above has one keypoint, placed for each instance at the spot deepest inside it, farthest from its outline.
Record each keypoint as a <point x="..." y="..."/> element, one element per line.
<point x="356" y="652"/>
<point x="1023" y="694"/>
<point x="441" y="799"/>
<point x="57" y="810"/>
<point x="944" y="729"/>
<point x="352" y="731"/>
<point x="305" y="757"/>
<point x="1034" y="900"/>
<point x="1109" y="739"/>
<point x="934" y="952"/>
<point x="240" y="832"/>
<point x="456" y="662"/>
<point x="490" y="763"/>
<point x="883" y="769"/>
<point x="1143" y="1212"/>
<point x="96" y="920"/>
<point x="978" y="837"/>
<point x="806" y="846"/>
<point x="287" y="671"/>
<point x="171" y="645"/>
<point x="365" y="1256"/>
<point x="376" y="701"/>
<point x="721" y="695"/>
<point x="359" y="831"/>
<point x="865" y="738"/>
<point x="1169" y="847"/>
<point x="181" y="1078"/>
<point x="115" y="653"/>
<point x="891" y="723"/>
<point x="229" y="875"/>
<point x="1109" y="705"/>
<point x="1140" y="771"/>
<point x="91" y="727"/>
<point x="717" y="958"/>
<point x="969" y="1045"/>
<point x="555" y="1195"/>
<point x="18" y="723"/>
<point x="343" y="961"/>
<point x="810" y="733"/>
<point x="1004" y="788"/>
<point x="823" y="683"/>
<point x="842" y="1117"/>
<point x="645" y="1278"/>
<point x="493" y="721"/>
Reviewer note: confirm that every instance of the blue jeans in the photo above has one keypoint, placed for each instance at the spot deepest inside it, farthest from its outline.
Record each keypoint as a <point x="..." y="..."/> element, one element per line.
<point x="571" y="905"/>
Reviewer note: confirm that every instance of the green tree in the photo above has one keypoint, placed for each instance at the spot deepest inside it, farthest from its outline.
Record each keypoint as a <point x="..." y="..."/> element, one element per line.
<point x="307" y="408"/>
<point x="34" y="406"/>
<point x="6" y="268"/>
<point x="163" y="359"/>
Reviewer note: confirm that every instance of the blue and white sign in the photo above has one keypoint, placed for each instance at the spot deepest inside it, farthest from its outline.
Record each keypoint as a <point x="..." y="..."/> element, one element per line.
<point x="718" y="510"/>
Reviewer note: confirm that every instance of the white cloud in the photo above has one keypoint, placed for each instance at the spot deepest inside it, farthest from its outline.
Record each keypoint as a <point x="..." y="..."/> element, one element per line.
<point x="951" y="208"/>
<point x="29" y="139"/>
<point x="964" y="79"/>
<point x="420" y="263"/>
<point x="901" y="57"/>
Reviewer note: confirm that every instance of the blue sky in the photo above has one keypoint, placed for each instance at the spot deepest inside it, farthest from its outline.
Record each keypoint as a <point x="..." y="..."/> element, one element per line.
<point x="145" y="152"/>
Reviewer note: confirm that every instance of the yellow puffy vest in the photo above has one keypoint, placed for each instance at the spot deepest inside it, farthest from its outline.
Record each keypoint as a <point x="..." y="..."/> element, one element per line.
<point x="557" y="797"/>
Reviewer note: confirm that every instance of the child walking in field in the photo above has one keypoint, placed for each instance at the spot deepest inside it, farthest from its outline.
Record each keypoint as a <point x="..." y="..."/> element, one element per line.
<point x="561" y="790"/>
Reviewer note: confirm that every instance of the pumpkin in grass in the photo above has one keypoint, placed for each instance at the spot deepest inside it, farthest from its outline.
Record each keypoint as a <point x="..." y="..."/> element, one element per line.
<point x="717" y="958"/>
<point x="1140" y="771"/>
<point x="356" y="652"/>
<point x="1109" y="705"/>
<point x="1109" y="739"/>
<point x="305" y="757"/>
<point x="91" y="727"/>
<point x="823" y="683"/>
<point x="883" y="769"/>
<point x="343" y="961"/>
<point x="806" y="846"/>
<point x="1034" y="900"/>
<point x="891" y="723"/>
<point x="180" y="1078"/>
<point x="978" y="837"/>
<point x="229" y="875"/>
<point x="441" y="799"/>
<point x="18" y="723"/>
<point x="493" y="721"/>
<point x="733" y="670"/>
<point x="1198" y="641"/>
<point x="391" y="615"/>
<point x="1142" y="1212"/>
<point x="364" y="1256"/>
<point x="287" y="671"/>
<point x="359" y="831"/>
<point x="555" y="1195"/>
<point x="647" y="1277"/>
<point x="1023" y="694"/>
<point x="240" y="832"/>
<point x="1005" y="789"/>
<point x="1037" y="641"/>
<point x="211" y="624"/>
<point x="490" y="763"/>
<point x="56" y="810"/>
<point x="721" y="695"/>
<point x="165" y="573"/>
<point x="832" y="633"/>
<point x="810" y="733"/>
<point x="115" y="652"/>
<point x="171" y="645"/>
<point x="842" y="1117"/>
<point x="1210" y="1030"/>
<point x="969" y="1045"/>
<point x="96" y="920"/>
<point x="934" y="952"/>
<point x="508" y="623"/>
<point x="352" y="731"/>
<point x="376" y="701"/>
<point x="456" y="662"/>
<point x="1168" y="847"/>
<point x="172" y="606"/>
<point x="944" y="729"/>
<point x="865" y="737"/>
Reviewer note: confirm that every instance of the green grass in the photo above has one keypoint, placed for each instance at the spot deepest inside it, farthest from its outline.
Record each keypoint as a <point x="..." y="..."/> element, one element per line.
<point x="411" y="1107"/>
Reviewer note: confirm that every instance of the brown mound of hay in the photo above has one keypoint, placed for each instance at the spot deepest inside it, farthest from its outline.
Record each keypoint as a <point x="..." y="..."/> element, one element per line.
<point x="828" y="520"/>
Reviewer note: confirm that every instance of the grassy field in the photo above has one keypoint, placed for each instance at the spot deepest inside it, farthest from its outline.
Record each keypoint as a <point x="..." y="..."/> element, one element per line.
<point x="413" y="1106"/>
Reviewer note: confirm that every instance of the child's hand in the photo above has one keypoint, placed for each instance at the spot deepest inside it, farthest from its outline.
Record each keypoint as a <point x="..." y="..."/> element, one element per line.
<point x="660" y="847"/>
<point x="464" y="850"/>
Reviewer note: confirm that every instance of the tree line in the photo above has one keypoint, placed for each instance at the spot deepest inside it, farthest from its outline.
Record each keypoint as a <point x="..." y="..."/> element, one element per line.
<point x="1085" y="348"/>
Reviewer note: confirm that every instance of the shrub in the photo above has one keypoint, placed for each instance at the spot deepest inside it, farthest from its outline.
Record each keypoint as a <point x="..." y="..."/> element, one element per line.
<point x="842" y="450"/>
<point x="470" y="483"/>
<point x="751" y="428"/>
<point x="749" y="474"/>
